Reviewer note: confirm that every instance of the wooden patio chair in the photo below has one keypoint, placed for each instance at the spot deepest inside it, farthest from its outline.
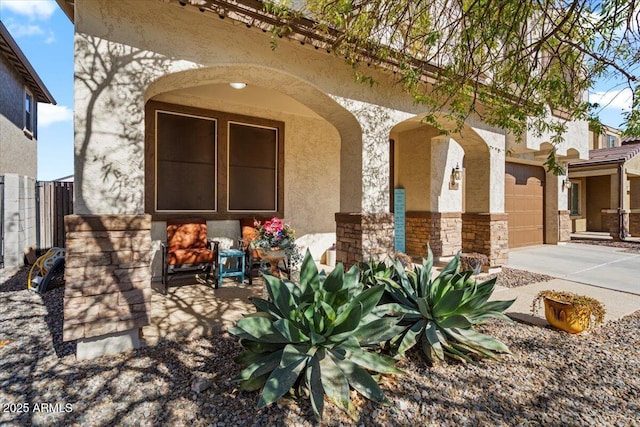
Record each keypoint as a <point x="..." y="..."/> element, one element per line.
<point x="187" y="249"/>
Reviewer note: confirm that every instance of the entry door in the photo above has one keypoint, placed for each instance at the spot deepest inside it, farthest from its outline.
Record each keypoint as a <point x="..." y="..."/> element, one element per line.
<point x="524" y="202"/>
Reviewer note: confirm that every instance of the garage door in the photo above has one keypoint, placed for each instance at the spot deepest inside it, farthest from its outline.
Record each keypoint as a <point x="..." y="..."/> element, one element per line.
<point x="524" y="202"/>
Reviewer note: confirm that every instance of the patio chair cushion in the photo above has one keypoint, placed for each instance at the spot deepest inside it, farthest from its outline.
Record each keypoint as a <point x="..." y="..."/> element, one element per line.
<point x="190" y="256"/>
<point x="186" y="234"/>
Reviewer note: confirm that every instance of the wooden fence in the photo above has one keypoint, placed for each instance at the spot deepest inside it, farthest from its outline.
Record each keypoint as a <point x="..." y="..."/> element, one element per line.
<point x="54" y="200"/>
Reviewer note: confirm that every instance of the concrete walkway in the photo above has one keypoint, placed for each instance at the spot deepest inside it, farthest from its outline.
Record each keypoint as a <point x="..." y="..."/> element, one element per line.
<point x="611" y="275"/>
<point x="602" y="266"/>
<point x="617" y="304"/>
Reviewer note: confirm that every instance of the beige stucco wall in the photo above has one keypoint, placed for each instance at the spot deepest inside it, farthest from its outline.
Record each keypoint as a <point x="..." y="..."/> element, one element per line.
<point x="575" y="143"/>
<point x="485" y="185"/>
<point x="109" y="162"/>
<point x="446" y="154"/>
<point x="423" y="167"/>
<point x="140" y="58"/>
<point x="18" y="153"/>
<point x="413" y="166"/>
<point x="634" y="192"/>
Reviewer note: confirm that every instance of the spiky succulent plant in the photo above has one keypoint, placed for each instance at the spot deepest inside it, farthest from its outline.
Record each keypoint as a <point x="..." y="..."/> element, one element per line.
<point x="439" y="314"/>
<point x="315" y="335"/>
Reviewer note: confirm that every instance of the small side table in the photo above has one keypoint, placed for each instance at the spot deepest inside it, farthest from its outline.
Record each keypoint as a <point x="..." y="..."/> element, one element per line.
<point x="237" y="270"/>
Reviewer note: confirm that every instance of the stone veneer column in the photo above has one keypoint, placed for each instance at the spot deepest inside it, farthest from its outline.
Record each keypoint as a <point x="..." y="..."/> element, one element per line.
<point x="634" y="223"/>
<point x="611" y="222"/>
<point x="442" y="231"/>
<point x="564" y="226"/>
<point x="108" y="282"/>
<point x="363" y="236"/>
<point x="487" y="234"/>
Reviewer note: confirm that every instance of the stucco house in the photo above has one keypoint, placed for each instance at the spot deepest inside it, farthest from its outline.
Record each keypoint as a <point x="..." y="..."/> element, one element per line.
<point x="22" y="90"/>
<point x="605" y="190"/>
<point x="606" y="137"/>
<point x="183" y="109"/>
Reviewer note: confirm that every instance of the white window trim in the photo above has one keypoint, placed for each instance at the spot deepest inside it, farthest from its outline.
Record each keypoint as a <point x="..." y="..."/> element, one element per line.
<point x="155" y="191"/>
<point x="25" y="129"/>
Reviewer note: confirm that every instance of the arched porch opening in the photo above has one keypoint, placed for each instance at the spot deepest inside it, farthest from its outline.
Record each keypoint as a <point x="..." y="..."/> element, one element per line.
<point x="447" y="180"/>
<point x="316" y="168"/>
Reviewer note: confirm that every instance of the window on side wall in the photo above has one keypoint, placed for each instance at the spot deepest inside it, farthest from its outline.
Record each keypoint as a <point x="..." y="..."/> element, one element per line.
<point x="28" y="111"/>
<point x="574" y="198"/>
<point x="611" y="141"/>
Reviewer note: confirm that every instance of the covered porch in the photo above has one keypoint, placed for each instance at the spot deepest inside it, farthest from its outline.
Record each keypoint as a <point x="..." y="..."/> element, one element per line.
<point x="193" y="309"/>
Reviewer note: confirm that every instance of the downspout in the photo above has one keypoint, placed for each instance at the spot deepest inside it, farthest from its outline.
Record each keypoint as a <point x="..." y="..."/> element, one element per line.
<point x="622" y="229"/>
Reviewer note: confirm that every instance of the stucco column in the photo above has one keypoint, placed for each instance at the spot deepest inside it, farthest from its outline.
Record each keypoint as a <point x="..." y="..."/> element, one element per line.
<point x="369" y="234"/>
<point x="446" y="195"/>
<point x="557" y="223"/>
<point x="375" y="123"/>
<point x="484" y="223"/>
<point x="444" y="220"/>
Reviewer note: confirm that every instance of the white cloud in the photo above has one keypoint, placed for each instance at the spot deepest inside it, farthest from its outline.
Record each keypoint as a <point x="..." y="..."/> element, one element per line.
<point x="51" y="38"/>
<point x="33" y="9"/>
<point x="620" y="99"/>
<point x="20" y="30"/>
<point x="49" y="114"/>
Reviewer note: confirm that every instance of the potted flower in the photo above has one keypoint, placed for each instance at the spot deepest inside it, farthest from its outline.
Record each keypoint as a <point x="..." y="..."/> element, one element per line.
<point x="276" y="239"/>
<point x="568" y="311"/>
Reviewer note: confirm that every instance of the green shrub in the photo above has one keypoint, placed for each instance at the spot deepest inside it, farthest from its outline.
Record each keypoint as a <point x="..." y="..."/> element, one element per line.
<point x="439" y="314"/>
<point x="314" y="337"/>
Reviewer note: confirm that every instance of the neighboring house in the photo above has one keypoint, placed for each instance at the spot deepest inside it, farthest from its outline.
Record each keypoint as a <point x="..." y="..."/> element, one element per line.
<point x="183" y="110"/>
<point x="605" y="191"/>
<point x="608" y="137"/>
<point x="22" y="90"/>
<point x="68" y="178"/>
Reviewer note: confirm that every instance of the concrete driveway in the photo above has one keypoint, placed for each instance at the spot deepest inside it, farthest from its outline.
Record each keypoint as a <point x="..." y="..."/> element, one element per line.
<point x="606" y="267"/>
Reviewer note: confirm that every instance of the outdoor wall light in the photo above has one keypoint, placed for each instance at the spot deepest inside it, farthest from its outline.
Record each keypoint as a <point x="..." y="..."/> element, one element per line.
<point x="456" y="173"/>
<point x="566" y="184"/>
<point x="238" y="85"/>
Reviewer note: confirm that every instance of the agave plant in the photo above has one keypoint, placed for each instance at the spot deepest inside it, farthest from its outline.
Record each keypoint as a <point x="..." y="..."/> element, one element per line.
<point x="315" y="337"/>
<point x="373" y="273"/>
<point x="439" y="314"/>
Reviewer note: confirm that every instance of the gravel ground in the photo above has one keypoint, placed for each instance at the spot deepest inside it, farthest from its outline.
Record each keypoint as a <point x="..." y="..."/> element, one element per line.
<point x="550" y="379"/>
<point x="631" y="247"/>
<point x="512" y="278"/>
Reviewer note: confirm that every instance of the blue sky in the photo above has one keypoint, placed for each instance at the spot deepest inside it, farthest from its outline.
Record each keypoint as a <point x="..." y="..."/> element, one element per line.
<point x="45" y="35"/>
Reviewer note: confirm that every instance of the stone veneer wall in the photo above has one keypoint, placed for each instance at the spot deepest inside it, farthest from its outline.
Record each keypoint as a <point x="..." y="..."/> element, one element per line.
<point x="363" y="236"/>
<point x="108" y="279"/>
<point x="443" y="232"/>
<point x="564" y="226"/>
<point x="634" y="223"/>
<point x="611" y="222"/>
<point x="486" y="234"/>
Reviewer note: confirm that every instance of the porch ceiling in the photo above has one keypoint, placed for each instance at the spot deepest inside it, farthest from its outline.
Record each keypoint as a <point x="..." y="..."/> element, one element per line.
<point x="252" y="96"/>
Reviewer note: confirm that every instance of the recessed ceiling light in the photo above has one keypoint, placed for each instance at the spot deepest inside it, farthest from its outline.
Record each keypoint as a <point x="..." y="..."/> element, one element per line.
<point x="238" y="85"/>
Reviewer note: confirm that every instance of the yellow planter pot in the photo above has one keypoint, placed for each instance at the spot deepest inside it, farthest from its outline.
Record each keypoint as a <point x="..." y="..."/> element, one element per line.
<point x="563" y="315"/>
